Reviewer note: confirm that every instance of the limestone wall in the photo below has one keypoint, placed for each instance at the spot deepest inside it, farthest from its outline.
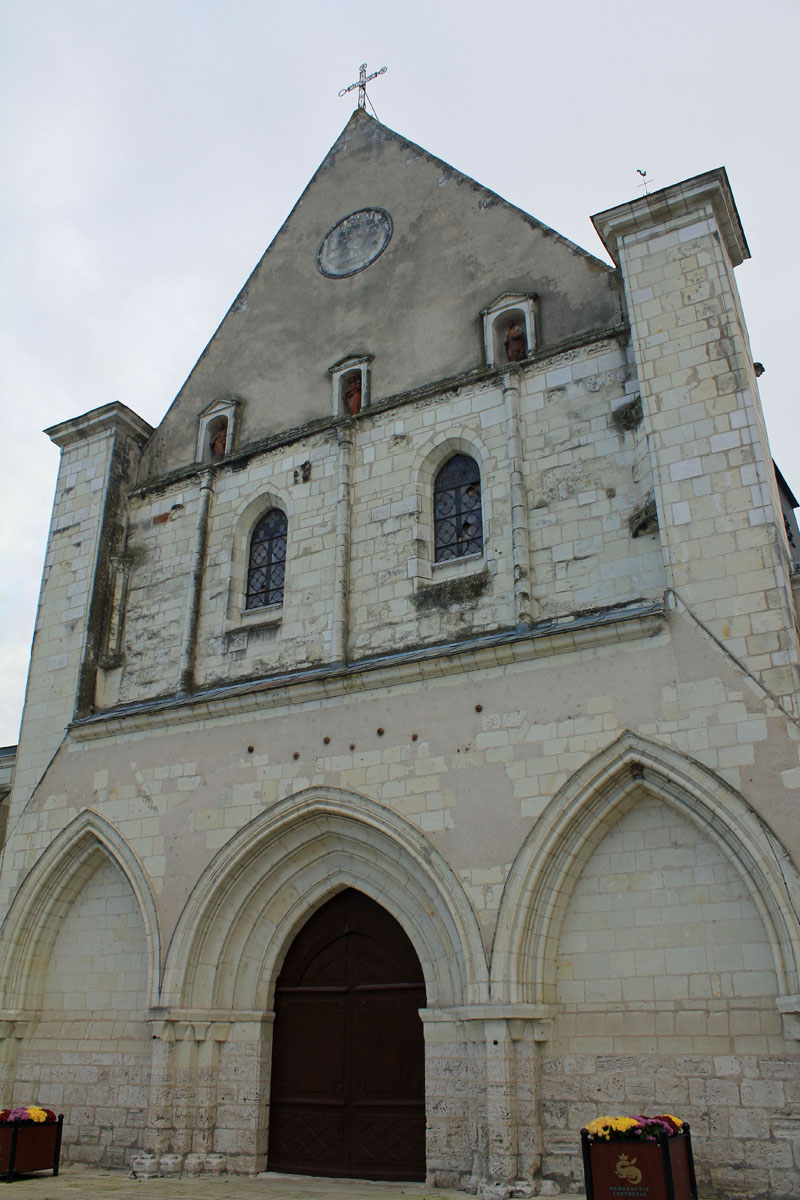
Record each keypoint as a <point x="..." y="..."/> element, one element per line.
<point x="586" y="475"/>
<point x="63" y="606"/>
<point x="88" y="1055"/>
<point x="666" y="985"/>
<point x="724" y="536"/>
<point x="416" y="310"/>
<point x="98" y="455"/>
<point x="699" y="1011"/>
<point x="587" y="827"/>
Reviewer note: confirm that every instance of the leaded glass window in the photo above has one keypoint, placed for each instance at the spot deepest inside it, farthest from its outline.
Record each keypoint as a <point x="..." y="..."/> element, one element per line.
<point x="457" y="519"/>
<point x="267" y="564"/>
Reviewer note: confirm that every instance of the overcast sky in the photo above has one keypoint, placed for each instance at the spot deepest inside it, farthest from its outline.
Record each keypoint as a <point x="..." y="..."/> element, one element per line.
<point x="151" y="150"/>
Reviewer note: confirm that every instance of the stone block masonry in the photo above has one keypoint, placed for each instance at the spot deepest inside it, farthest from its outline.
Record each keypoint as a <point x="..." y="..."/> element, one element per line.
<point x="566" y="762"/>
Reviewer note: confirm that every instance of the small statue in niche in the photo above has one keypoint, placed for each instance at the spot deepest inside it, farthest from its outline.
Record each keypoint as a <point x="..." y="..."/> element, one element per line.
<point x="352" y="393"/>
<point x="515" y="342"/>
<point x="219" y="442"/>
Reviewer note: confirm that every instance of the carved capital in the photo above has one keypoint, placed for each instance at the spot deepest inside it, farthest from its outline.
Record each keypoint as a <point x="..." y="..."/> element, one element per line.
<point x="14" y="1027"/>
<point x="162" y="1030"/>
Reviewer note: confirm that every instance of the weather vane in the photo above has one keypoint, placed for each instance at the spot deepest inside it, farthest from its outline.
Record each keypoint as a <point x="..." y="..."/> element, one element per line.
<point x="645" y="181"/>
<point x="363" y="80"/>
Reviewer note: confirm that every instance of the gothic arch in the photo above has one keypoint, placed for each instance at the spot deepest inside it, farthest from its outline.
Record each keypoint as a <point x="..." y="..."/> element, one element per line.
<point x="251" y="512"/>
<point x="550" y="862"/>
<point x="245" y="522"/>
<point x="262" y="886"/>
<point x="434" y="454"/>
<point x="428" y="461"/>
<point x="29" y="931"/>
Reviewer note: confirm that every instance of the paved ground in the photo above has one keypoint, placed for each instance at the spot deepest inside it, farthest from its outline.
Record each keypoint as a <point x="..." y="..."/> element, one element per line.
<point x="74" y="1183"/>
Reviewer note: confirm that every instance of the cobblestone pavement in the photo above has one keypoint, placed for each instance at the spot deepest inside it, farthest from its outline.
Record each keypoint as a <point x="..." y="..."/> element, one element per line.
<point x="74" y="1183"/>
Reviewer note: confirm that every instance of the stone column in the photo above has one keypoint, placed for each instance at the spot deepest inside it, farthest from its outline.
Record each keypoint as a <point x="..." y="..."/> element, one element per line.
<point x="341" y="597"/>
<point x="520" y="531"/>
<point x="208" y="1037"/>
<point x="191" y="616"/>
<point x="501" y="1114"/>
<point x="160" y="1116"/>
<point x="507" y="1138"/>
<point x="184" y="1066"/>
<point x="209" y="1092"/>
<point x="455" y="1110"/>
<point x="243" y="1093"/>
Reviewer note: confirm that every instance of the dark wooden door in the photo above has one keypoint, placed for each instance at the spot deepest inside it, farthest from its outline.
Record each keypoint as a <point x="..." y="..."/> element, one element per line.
<point x="348" y="1079"/>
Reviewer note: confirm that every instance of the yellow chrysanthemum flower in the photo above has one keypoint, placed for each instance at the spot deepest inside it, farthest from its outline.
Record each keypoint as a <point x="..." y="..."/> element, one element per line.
<point x="600" y="1127"/>
<point x="606" y="1127"/>
<point x="623" y="1124"/>
<point x="36" y="1114"/>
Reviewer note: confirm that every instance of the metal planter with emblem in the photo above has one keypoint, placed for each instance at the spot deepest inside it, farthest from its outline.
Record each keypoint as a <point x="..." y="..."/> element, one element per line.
<point x="661" y="1168"/>
<point x="27" y="1146"/>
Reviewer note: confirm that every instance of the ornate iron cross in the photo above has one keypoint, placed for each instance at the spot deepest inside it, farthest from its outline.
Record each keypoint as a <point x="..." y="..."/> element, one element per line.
<point x="363" y="80"/>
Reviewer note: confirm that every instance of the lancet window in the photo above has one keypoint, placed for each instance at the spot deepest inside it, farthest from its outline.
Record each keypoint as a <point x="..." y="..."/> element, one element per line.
<point x="267" y="563"/>
<point x="457" y="517"/>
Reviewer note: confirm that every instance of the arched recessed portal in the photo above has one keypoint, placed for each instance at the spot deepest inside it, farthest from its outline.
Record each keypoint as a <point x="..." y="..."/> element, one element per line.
<point x="348" y="1077"/>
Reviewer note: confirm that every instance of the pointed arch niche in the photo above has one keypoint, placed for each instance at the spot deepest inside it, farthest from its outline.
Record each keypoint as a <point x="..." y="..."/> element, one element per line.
<point x="41" y="905"/>
<point x="79" y="966"/>
<point x="650" y="909"/>
<point x="549" y="865"/>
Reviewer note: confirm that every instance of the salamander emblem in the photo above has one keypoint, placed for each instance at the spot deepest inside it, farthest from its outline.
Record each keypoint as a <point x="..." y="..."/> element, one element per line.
<point x="626" y="1169"/>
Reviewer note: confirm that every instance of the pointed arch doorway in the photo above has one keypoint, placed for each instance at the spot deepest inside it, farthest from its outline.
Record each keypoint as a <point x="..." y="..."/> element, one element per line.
<point x="348" y="1079"/>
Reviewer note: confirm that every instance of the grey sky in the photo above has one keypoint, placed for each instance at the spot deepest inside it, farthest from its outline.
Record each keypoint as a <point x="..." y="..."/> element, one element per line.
<point x="152" y="150"/>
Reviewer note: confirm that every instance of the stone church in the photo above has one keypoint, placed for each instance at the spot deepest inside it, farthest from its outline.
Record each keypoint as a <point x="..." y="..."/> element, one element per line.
<point x="409" y="765"/>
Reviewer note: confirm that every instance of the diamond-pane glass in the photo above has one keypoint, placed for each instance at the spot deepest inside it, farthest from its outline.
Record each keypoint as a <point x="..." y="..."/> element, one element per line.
<point x="267" y="565"/>
<point x="457" y="518"/>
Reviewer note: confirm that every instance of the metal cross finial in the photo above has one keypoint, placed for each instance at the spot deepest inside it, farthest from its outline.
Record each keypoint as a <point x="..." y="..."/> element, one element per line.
<point x="363" y="80"/>
<point x="645" y="181"/>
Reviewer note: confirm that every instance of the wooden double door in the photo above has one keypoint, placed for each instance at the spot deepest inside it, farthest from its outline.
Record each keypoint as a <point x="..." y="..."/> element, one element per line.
<point x="348" y="1079"/>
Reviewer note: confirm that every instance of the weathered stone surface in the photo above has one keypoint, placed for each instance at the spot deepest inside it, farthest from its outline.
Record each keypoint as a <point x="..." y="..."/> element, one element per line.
<point x="568" y="764"/>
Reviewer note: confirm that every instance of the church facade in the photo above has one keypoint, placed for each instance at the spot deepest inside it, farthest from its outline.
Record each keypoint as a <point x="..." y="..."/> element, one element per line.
<point x="409" y="765"/>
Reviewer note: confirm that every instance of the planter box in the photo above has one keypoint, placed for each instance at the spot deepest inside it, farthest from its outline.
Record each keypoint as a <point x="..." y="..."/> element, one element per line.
<point x="639" y="1170"/>
<point x="27" y="1146"/>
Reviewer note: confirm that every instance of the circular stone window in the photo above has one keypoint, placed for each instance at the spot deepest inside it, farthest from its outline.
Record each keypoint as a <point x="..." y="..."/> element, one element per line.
<point x="354" y="243"/>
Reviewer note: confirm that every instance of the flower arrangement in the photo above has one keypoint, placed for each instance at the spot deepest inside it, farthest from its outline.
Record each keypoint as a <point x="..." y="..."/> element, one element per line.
<point x="646" y="1129"/>
<point x="30" y="1114"/>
